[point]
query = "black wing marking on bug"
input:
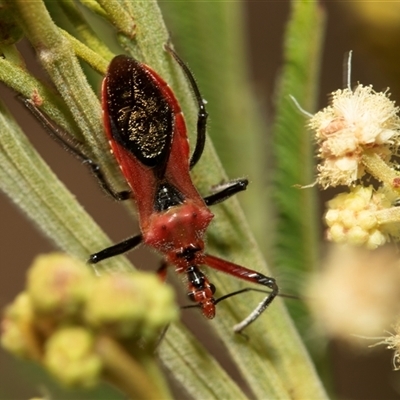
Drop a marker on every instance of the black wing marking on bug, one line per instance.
(141, 119)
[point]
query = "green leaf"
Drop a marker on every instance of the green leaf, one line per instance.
(296, 242)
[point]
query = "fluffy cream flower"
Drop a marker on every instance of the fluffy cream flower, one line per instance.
(356, 293)
(355, 121)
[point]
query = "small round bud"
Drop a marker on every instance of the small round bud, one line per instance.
(161, 308)
(70, 357)
(58, 285)
(331, 217)
(375, 240)
(356, 235)
(353, 218)
(17, 329)
(124, 303)
(348, 218)
(366, 219)
(337, 233)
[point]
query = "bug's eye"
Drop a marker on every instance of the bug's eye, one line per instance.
(191, 297)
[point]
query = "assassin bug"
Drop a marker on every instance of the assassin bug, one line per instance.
(147, 135)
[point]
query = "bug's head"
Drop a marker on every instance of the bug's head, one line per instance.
(201, 291)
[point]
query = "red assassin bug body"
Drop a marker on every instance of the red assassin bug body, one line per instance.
(148, 137)
(141, 114)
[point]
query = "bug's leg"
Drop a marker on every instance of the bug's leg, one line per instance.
(116, 249)
(225, 191)
(244, 290)
(240, 291)
(76, 148)
(250, 276)
(202, 113)
(104, 184)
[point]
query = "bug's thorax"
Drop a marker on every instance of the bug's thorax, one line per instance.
(178, 233)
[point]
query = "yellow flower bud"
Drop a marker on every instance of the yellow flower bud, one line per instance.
(18, 331)
(126, 303)
(355, 218)
(58, 284)
(70, 357)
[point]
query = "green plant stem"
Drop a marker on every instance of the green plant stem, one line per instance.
(388, 215)
(97, 62)
(126, 373)
(94, 6)
(84, 31)
(119, 16)
(297, 234)
(195, 368)
(30, 183)
(57, 57)
(11, 53)
(25, 84)
(381, 171)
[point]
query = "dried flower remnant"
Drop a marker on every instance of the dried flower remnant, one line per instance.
(355, 122)
(356, 218)
(356, 293)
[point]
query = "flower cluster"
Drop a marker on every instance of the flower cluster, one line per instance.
(354, 218)
(355, 122)
(359, 134)
(358, 137)
(66, 311)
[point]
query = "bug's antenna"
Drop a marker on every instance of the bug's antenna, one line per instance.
(347, 70)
